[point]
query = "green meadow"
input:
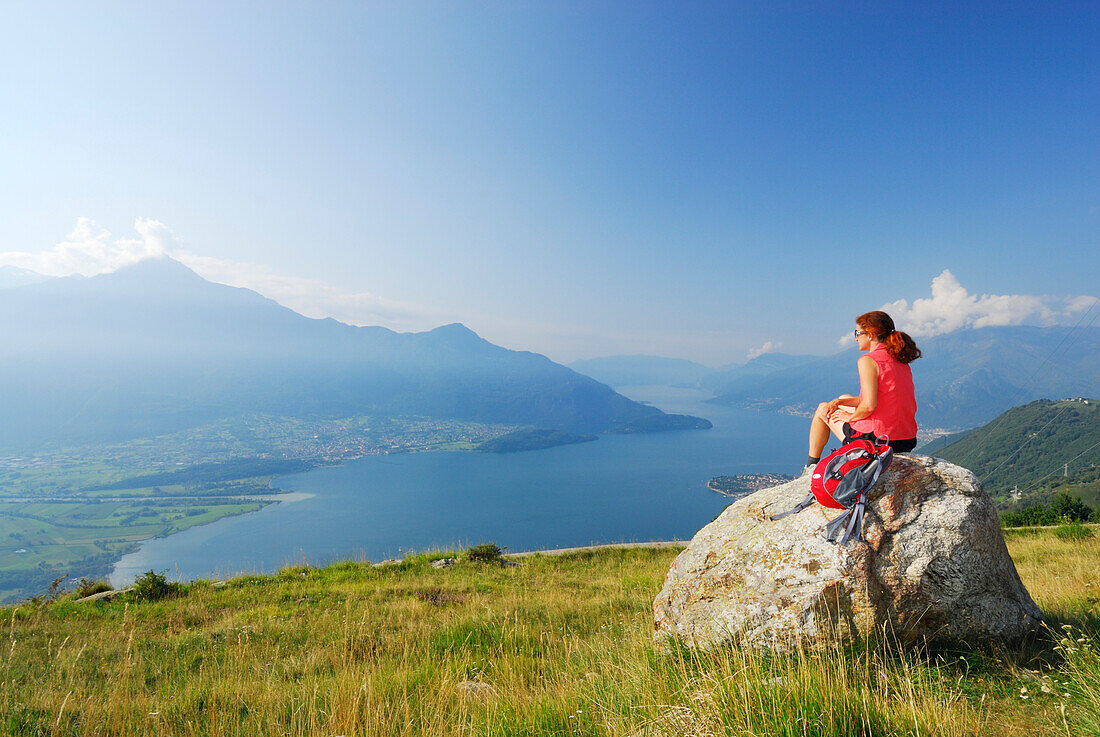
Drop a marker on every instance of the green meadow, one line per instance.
(560, 645)
(42, 541)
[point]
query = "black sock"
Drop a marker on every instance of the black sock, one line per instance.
(811, 461)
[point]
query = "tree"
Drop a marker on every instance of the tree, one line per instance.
(1070, 507)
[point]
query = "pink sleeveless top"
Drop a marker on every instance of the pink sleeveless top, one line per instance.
(895, 415)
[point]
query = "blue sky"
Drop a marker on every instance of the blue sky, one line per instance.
(579, 179)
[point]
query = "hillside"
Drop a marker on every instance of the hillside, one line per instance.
(154, 348)
(964, 378)
(1036, 447)
(554, 646)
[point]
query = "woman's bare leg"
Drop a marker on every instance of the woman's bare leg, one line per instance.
(825, 423)
(819, 431)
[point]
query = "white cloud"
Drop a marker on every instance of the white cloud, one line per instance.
(951, 307)
(91, 250)
(770, 347)
(1080, 304)
(312, 297)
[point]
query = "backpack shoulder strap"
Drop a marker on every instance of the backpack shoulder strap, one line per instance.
(809, 500)
(855, 527)
(849, 522)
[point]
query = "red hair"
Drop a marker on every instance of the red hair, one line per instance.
(881, 327)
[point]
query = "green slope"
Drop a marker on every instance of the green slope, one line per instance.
(1037, 448)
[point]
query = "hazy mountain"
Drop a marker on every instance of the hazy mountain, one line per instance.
(965, 378)
(13, 276)
(728, 378)
(641, 370)
(154, 348)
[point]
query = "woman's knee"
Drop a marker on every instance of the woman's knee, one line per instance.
(822, 412)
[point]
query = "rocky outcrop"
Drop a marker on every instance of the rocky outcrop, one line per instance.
(933, 567)
(105, 595)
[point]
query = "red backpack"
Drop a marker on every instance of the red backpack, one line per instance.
(841, 481)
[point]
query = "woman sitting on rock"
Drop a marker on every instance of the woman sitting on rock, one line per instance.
(886, 407)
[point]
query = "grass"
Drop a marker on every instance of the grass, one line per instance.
(1073, 530)
(559, 645)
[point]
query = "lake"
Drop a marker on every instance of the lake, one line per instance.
(620, 488)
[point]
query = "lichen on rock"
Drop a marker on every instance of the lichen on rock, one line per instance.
(932, 567)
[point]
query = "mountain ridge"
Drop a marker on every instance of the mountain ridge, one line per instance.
(154, 346)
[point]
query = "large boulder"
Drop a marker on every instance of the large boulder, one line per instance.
(933, 567)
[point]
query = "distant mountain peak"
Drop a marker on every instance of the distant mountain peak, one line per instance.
(156, 266)
(455, 334)
(454, 328)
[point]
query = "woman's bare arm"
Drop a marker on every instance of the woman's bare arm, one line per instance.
(868, 388)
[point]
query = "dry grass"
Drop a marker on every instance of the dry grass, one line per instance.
(563, 644)
(1063, 576)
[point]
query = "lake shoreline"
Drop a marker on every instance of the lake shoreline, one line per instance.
(639, 487)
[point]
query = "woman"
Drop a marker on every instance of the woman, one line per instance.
(886, 407)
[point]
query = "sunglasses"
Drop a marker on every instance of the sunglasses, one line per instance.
(857, 333)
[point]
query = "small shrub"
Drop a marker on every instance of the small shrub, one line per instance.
(1036, 515)
(87, 587)
(151, 586)
(1065, 506)
(1070, 506)
(52, 594)
(1072, 530)
(485, 553)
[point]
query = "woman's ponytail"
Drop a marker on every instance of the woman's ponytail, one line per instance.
(898, 344)
(901, 347)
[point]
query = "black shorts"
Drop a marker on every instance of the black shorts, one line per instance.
(899, 446)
